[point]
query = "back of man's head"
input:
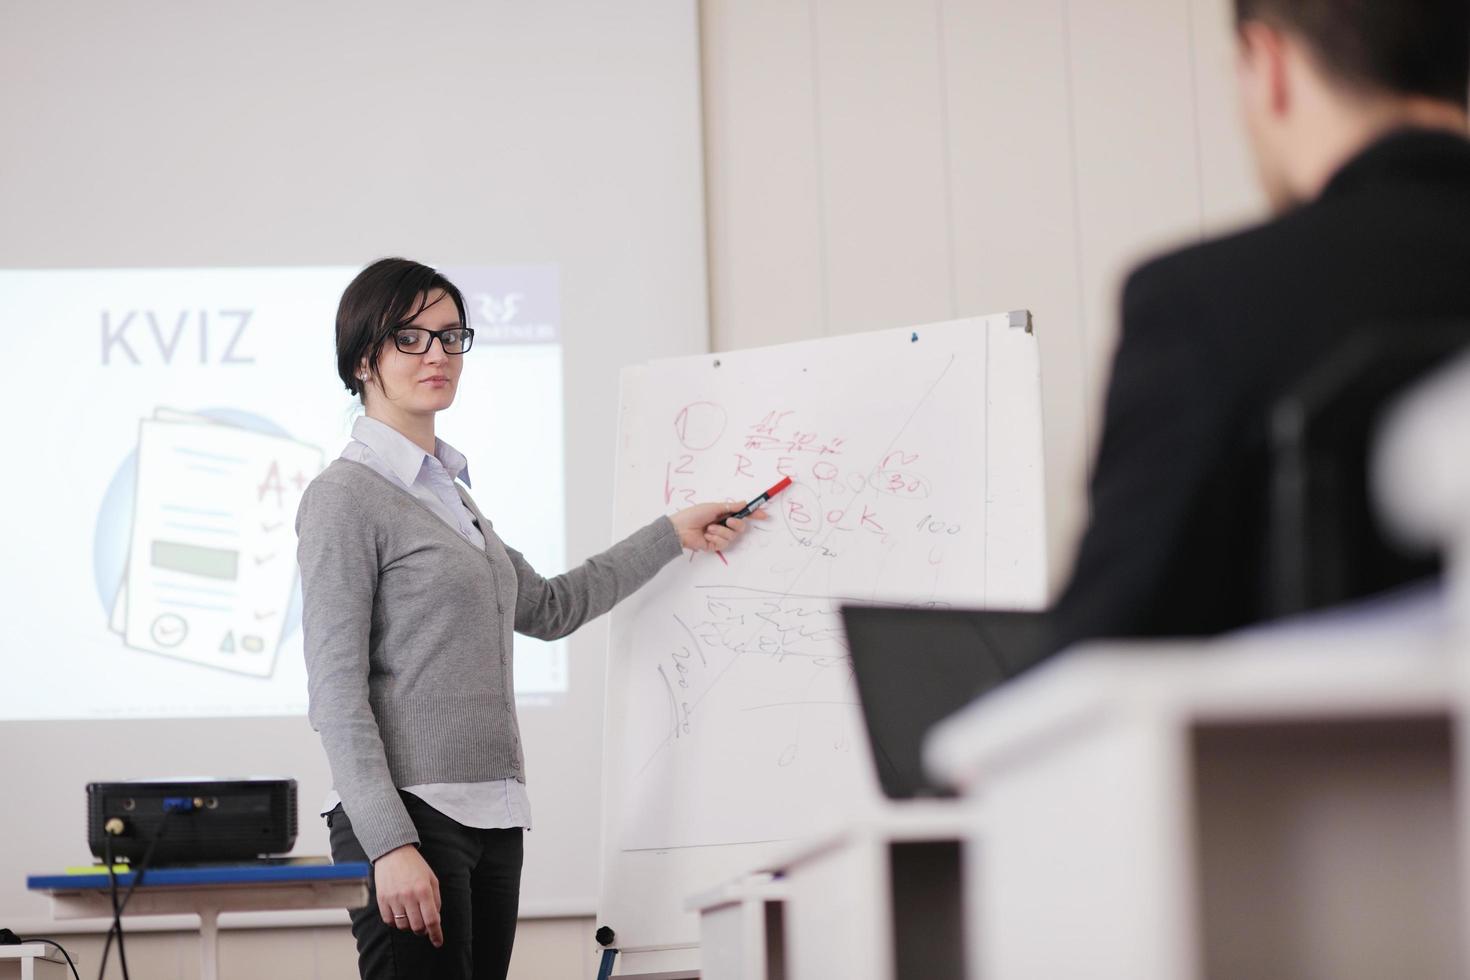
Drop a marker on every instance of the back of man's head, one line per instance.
(1395, 47)
(1320, 78)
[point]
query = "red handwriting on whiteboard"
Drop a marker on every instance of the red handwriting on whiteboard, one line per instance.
(672, 490)
(699, 425)
(798, 516)
(766, 435)
(896, 476)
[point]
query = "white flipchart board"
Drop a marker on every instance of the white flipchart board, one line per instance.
(732, 721)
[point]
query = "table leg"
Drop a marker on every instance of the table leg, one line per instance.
(208, 944)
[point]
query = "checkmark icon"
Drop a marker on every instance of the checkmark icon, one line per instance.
(169, 630)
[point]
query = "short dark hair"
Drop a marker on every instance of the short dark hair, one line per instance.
(1405, 47)
(380, 299)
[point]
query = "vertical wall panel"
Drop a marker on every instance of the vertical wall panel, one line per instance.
(1137, 169)
(761, 181)
(1015, 240)
(884, 198)
(1228, 190)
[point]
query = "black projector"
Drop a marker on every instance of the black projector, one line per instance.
(194, 821)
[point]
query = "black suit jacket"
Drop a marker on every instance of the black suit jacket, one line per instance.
(1211, 336)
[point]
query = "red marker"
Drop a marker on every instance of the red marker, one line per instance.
(751, 507)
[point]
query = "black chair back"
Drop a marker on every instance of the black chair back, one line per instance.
(1326, 544)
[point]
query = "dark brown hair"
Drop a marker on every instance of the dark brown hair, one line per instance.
(1404, 47)
(382, 298)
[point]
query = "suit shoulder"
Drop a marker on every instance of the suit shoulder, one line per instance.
(1217, 284)
(1235, 255)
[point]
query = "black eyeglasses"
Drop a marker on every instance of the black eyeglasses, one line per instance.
(417, 340)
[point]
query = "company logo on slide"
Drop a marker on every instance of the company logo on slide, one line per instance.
(497, 309)
(510, 304)
(194, 550)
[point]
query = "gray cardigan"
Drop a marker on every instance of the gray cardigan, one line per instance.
(408, 629)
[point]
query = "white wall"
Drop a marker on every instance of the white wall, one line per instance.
(875, 163)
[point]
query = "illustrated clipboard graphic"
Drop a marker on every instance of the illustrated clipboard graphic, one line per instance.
(211, 569)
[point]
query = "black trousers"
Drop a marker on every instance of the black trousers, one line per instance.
(479, 874)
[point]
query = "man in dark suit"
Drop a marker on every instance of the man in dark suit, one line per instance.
(1356, 113)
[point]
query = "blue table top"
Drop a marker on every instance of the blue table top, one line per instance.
(234, 874)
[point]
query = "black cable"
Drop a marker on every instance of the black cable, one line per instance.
(116, 929)
(143, 865)
(119, 908)
(43, 939)
(106, 949)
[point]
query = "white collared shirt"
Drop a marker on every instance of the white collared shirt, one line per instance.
(430, 479)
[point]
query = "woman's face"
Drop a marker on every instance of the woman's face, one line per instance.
(419, 383)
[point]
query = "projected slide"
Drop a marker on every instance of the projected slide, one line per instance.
(165, 424)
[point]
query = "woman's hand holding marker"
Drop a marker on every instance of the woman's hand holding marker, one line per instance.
(714, 527)
(700, 529)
